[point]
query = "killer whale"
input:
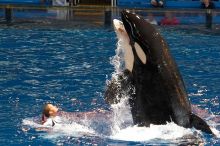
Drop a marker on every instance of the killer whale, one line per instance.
(151, 77)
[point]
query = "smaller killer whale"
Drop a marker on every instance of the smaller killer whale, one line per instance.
(151, 77)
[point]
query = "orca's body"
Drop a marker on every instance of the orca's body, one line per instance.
(158, 95)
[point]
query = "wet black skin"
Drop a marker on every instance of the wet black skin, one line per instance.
(160, 95)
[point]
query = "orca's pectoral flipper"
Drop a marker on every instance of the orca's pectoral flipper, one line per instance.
(200, 124)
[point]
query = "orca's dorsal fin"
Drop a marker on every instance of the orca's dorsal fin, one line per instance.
(200, 124)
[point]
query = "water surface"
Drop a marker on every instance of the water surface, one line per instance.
(69, 68)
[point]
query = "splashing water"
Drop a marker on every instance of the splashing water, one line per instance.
(121, 115)
(121, 111)
(117, 61)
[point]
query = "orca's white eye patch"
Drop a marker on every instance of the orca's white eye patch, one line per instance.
(140, 53)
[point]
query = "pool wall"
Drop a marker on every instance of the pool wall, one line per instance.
(99, 16)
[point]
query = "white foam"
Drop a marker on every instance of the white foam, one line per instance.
(130, 133)
(166, 132)
(59, 129)
(169, 133)
(216, 132)
(73, 129)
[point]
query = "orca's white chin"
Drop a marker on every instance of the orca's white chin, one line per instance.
(124, 44)
(120, 30)
(117, 23)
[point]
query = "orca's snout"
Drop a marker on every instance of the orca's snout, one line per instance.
(125, 17)
(125, 14)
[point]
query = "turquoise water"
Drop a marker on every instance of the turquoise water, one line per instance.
(69, 68)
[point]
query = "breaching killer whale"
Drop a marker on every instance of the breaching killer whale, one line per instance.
(151, 77)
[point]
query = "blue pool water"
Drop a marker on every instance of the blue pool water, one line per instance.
(69, 68)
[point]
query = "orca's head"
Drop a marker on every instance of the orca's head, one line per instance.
(138, 29)
(144, 38)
